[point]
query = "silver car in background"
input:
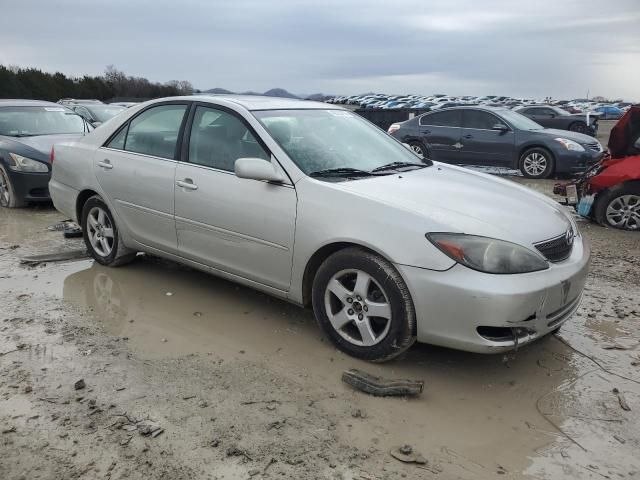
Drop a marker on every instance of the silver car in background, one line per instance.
(311, 203)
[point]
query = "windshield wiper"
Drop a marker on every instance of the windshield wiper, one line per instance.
(341, 172)
(396, 165)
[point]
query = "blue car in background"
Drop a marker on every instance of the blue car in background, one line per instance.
(609, 112)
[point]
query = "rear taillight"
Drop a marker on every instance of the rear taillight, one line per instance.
(52, 155)
(393, 128)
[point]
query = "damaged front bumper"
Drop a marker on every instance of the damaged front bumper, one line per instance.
(478, 312)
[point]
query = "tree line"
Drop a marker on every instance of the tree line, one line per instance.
(32, 83)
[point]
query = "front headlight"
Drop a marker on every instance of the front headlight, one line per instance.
(24, 164)
(570, 144)
(487, 255)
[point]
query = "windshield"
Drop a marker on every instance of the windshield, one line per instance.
(28, 121)
(104, 113)
(560, 111)
(519, 121)
(318, 140)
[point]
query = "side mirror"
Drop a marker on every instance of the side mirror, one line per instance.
(500, 127)
(257, 169)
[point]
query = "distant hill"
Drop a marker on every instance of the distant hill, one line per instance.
(218, 91)
(274, 92)
(279, 92)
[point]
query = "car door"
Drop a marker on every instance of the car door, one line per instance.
(440, 132)
(482, 143)
(243, 227)
(136, 170)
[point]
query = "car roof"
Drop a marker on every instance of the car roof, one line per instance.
(18, 102)
(260, 102)
(474, 107)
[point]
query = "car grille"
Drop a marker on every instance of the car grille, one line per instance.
(595, 146)
(558, 248)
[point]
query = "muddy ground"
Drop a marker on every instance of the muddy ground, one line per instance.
(187, 376)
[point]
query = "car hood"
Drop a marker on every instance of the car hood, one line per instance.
(38, 146)
(459, 200)
(624, 131)
(555, 133)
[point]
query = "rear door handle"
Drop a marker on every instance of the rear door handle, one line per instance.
(467, 136)
(105, 164)
(187, 183)
(426, 132)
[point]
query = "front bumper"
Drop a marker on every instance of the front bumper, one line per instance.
(468, 310)
(576, 162)
(32, 187)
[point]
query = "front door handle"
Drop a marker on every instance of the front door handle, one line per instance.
(187, 183)
(467, 136)
(106, 164)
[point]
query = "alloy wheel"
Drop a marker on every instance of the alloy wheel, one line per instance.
(5, 193)
(100, 231)
(417, 149)
(357, 307)
(579, 127)
(624, 212)
(535, 164)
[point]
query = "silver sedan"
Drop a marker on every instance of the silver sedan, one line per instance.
(311, 203)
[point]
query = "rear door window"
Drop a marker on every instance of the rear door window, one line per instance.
(479, 120)
(451, 118)
(155, 131)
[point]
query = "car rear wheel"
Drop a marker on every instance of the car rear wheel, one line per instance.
(537, 163)
(8, 196)
(419, 149)
(579, 127)
(363, 305)
(101, 235)
(619, 207)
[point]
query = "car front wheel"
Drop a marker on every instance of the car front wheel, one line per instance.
(101, 234)
(8, 196)
(363, 305)
(418, 148)
(619, 207)
(579, 127)
(536, 163)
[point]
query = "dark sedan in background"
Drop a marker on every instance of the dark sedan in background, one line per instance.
(487, 136)
(554, 117)
(28, 130)
(97, 114)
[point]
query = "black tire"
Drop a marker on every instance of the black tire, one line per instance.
(608, 198)
(400, 334)
(537, 154)
(579, 127)
(8, 198)
(419, 148)
(119, 254)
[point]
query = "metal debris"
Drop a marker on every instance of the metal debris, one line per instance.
(55, 257)
(381, 387)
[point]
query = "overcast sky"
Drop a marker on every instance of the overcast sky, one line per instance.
(523, 48)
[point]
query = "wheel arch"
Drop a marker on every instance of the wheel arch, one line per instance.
(82, 198)
(319, 256)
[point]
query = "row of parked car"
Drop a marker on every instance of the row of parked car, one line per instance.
(606, 110)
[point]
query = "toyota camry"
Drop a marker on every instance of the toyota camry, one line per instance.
(311, 203)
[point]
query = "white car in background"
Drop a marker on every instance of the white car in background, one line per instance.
(313, 204)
